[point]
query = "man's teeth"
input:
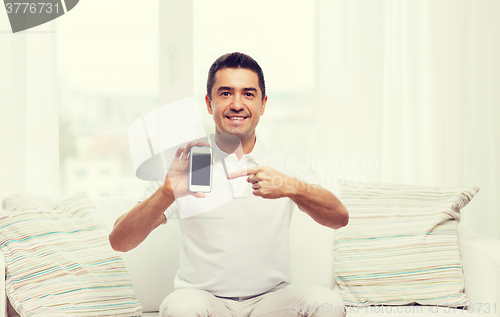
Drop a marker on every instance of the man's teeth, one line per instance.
(236, 118)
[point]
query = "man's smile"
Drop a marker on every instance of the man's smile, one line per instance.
(236, 118)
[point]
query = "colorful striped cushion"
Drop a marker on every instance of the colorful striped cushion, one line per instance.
(401, 245)
(59, 262)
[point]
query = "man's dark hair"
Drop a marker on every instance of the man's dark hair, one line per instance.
(235, 60)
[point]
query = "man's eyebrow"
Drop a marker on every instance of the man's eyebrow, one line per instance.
(250, 89)
(232, 88)
(224, 88)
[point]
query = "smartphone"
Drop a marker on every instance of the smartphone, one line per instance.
(200, 169)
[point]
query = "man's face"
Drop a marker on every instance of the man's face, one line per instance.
(236, 104)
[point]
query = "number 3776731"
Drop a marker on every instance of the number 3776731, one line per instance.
(34, 8)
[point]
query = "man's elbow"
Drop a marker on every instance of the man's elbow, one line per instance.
(117, 244)
(341, 221)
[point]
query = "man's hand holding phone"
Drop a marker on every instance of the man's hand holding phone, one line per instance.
(177, 179)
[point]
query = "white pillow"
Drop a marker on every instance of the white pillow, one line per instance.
(59, 262)
(401, 245)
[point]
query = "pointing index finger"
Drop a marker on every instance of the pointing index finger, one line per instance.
(243, 172)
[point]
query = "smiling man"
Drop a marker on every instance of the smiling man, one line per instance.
(235, 258)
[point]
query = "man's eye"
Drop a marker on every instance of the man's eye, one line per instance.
(249, 94)
(225, 93)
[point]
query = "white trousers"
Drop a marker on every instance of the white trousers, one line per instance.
(303, 301)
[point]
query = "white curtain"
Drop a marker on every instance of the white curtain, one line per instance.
(29, 140)
(409, 92)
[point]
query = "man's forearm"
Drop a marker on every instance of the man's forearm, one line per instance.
(321, 204)
(134, 226)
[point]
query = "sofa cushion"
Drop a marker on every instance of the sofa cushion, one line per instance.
(401, 245)
(59, 261)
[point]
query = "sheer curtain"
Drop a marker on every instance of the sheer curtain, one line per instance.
(408, 92)
(29, 140)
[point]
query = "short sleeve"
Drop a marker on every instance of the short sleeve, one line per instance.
(150, 190)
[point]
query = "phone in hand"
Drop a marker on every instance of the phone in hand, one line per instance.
(200, 169)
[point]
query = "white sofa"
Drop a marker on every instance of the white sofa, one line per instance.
(153, 264)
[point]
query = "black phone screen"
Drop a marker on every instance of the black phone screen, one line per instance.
(201, 169)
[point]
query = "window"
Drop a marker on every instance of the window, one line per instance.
(107, 60)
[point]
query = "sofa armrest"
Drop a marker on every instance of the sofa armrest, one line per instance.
(481, 266)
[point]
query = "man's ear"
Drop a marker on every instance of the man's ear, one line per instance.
(209, 104)
(263, 107)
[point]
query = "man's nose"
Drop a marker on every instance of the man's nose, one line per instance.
(237, 104)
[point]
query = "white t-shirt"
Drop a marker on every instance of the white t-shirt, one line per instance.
(239, 248)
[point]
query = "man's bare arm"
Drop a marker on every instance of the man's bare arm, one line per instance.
(319, 203)
(134, 226)
(161, 220)
(316, 201)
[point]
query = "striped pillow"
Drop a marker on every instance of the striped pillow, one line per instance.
(401, 245)
(59, 262)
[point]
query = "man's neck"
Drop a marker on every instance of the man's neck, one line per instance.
(235, 145)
